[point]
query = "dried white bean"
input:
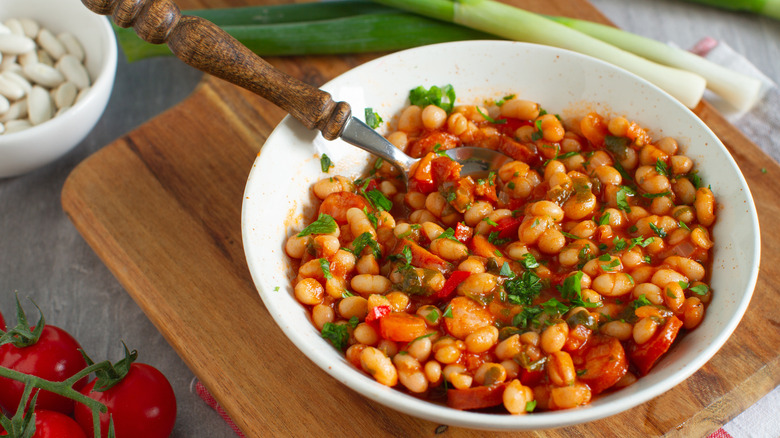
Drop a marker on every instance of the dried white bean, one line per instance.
(30, 27)
(7, 62)
(82, 93)
(28, 58)
(39, 105)
(4, 29)
(44, 75)
(15, 26)
(4, 104)
(14, 44)
(45, 58)
(2, 129)
(17, 110)
(61, 110)
(50, 44)
(73, 70)
(10, 89)
(72, 45)
(65, 94)
(16, 126)
(17, 79)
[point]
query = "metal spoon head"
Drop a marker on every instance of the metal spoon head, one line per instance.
(477, 162)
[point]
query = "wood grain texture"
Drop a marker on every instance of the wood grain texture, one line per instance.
(161, 207)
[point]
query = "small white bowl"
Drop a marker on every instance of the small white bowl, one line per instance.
(278, 199)
(24, 151)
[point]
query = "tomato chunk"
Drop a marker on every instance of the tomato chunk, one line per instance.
(401, 327)
(428, 142)
(644, 356)
(455, 279)
(422, 258)
(377, 313)
(478, 397)
(604, 363)
(337, 204)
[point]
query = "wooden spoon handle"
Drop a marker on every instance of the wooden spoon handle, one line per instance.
(203, 45)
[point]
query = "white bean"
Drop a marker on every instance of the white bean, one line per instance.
(39, 105)
(73, 70)
(50, 44)
(14, 44)
(4, 104)
(10, 89)
(65, 94)
(15, 26)
(16, 126)
(30, 27)
(18, 80)
(72, 45)
(44, 75)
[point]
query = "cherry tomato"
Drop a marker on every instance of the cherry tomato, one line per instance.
(142, 404)
(2, 322)
(54, 357)
(51, 424)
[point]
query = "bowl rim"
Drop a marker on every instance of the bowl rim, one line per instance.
(105, 77)
(402, 402)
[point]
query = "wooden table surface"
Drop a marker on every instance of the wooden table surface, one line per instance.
(43, 257)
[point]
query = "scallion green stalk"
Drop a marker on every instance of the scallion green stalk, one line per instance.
(770, 8)
(355, 33)
(520, 25)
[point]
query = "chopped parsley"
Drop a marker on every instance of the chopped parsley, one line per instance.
(366, 239)
(528, 261)
(658, 231)
(371, 217)
(506, 271)
(447, 312)
(538, 134)
(325, 163)
(622, 198)
(325, 224)
(490, 119)
(325, 266)
(617, 145)
(656, 195)
(443, 97)
(662, 168)
(530, 406)
(683, 225)
(378, 200)
(524, 288)
(604, 219)
(337, 334)
(372, 118)
(504, 99)
(700, 290)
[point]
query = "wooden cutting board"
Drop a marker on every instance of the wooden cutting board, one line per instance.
(161, 207)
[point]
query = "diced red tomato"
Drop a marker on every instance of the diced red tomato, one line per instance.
(478, 397)
(531, 377)
(377, 313)
(421, 177)
(644, 356)
(455, 279)
(429, 141)
(444, 169)
(507, 227)
(463, 232)
(511, 125)
(422, 258)
(337, 204)
(517, 150)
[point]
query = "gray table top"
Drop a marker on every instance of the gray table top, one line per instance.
(43, 257)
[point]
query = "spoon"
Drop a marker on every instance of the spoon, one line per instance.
(205, 46)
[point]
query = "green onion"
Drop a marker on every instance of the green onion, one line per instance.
(517, 24)
(770, 8)
(380, 30)
(739, 90)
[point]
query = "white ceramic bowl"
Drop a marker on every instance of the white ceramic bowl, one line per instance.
(23, 151)
(278, 200)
